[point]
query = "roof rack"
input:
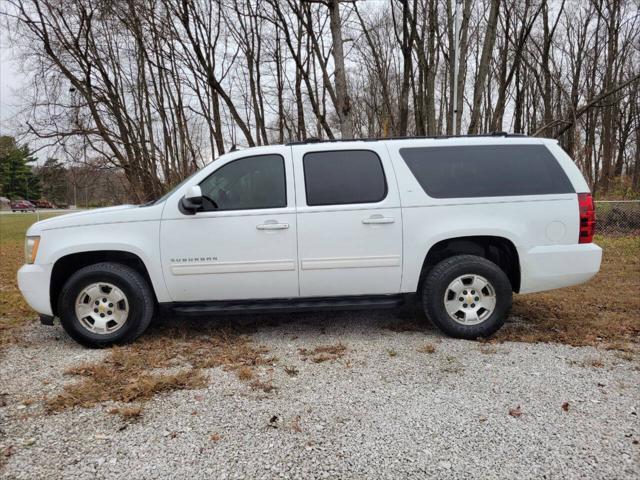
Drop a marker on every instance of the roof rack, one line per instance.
(414, 137)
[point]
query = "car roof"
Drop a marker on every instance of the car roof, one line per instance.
(312, 140)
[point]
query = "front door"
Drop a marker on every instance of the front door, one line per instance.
(349, 220)
(243, 244)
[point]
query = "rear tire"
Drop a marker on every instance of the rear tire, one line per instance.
(106, 304)
(449, 303)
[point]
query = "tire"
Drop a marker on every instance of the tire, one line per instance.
(470, 322)
(113, 280)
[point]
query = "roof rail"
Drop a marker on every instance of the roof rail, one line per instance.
(413, 137)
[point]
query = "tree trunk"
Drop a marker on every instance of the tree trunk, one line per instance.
(343, 102)
(483, 70)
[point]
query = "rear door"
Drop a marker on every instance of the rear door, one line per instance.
(349, 220)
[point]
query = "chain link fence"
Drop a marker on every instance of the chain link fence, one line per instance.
(618, 217)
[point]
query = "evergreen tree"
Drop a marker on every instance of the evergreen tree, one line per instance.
(53, 180)
(17, 179)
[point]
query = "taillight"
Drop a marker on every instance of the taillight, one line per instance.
(587, 218)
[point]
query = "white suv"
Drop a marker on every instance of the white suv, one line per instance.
(463, 222)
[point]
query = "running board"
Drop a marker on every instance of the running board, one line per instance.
(282, 305)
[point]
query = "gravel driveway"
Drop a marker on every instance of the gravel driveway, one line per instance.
(383, 410)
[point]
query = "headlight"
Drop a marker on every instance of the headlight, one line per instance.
(31, 249)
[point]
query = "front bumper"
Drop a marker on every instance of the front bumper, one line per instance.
(33, 281)
(557, 266)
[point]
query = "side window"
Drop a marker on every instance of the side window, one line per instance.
(343, 177)
(486, 171)
(245, 184)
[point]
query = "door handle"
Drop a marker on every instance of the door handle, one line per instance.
(272, 225)
(378, 220)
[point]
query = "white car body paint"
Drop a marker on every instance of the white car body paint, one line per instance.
(316, 251)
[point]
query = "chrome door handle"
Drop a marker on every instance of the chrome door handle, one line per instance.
(272, 225)
(378, 220)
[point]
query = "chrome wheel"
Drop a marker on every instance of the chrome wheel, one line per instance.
(102, 308)
(470, 299)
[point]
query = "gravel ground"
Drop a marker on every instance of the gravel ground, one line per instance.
(384, 410)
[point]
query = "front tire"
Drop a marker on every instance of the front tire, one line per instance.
(467, 296)
(106, 304)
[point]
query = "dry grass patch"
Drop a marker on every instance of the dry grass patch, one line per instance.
(596, 363)
(427, 348)
(14, 311)
(295, 424)
(600, 312)
(102, 383)
(408, 326)
(323, 353)
(129, 374)
(5, 453)
(244, 373)
(627, 356)
(128, 413)
(452, 365)
(488, 349)
(266, 386)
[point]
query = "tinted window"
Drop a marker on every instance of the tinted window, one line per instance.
(486, 171)
(342, 177)
(247, 183)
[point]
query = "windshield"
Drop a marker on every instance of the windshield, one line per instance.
(169, 193)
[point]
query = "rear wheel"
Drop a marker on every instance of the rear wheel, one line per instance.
(106, 304)
(467, 296)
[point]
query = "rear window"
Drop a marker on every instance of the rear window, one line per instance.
(486, 171)
(343, 177)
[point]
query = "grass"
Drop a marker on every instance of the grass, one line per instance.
(602, 312)
(127, 413)
(427, 348)
(323, 353)
(129, 374)
(245, 373)
(487, 349)
(14, 311)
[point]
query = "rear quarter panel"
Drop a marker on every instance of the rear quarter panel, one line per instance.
(528, 221)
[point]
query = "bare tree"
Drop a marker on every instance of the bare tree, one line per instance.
(153, 89)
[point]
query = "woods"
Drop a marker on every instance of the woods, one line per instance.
(157, 88)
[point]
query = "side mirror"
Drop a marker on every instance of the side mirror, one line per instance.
(192, 200)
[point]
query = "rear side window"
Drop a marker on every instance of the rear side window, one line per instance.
(486, 171)
(343, 177)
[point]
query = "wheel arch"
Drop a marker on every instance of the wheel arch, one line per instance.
(499, 250)
(66, 265)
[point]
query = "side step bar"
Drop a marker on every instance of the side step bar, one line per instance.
(283, 305)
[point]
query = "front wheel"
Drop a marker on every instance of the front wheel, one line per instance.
(105, 304)
(467, 296)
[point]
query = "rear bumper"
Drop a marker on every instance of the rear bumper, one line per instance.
(33, 281)
(557, 266)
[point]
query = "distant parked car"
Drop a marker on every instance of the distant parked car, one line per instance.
(43, 204)
(22, 206)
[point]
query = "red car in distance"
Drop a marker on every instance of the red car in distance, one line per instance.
(22, 206)
(43, 204)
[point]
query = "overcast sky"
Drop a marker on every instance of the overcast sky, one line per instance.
(10, 80)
